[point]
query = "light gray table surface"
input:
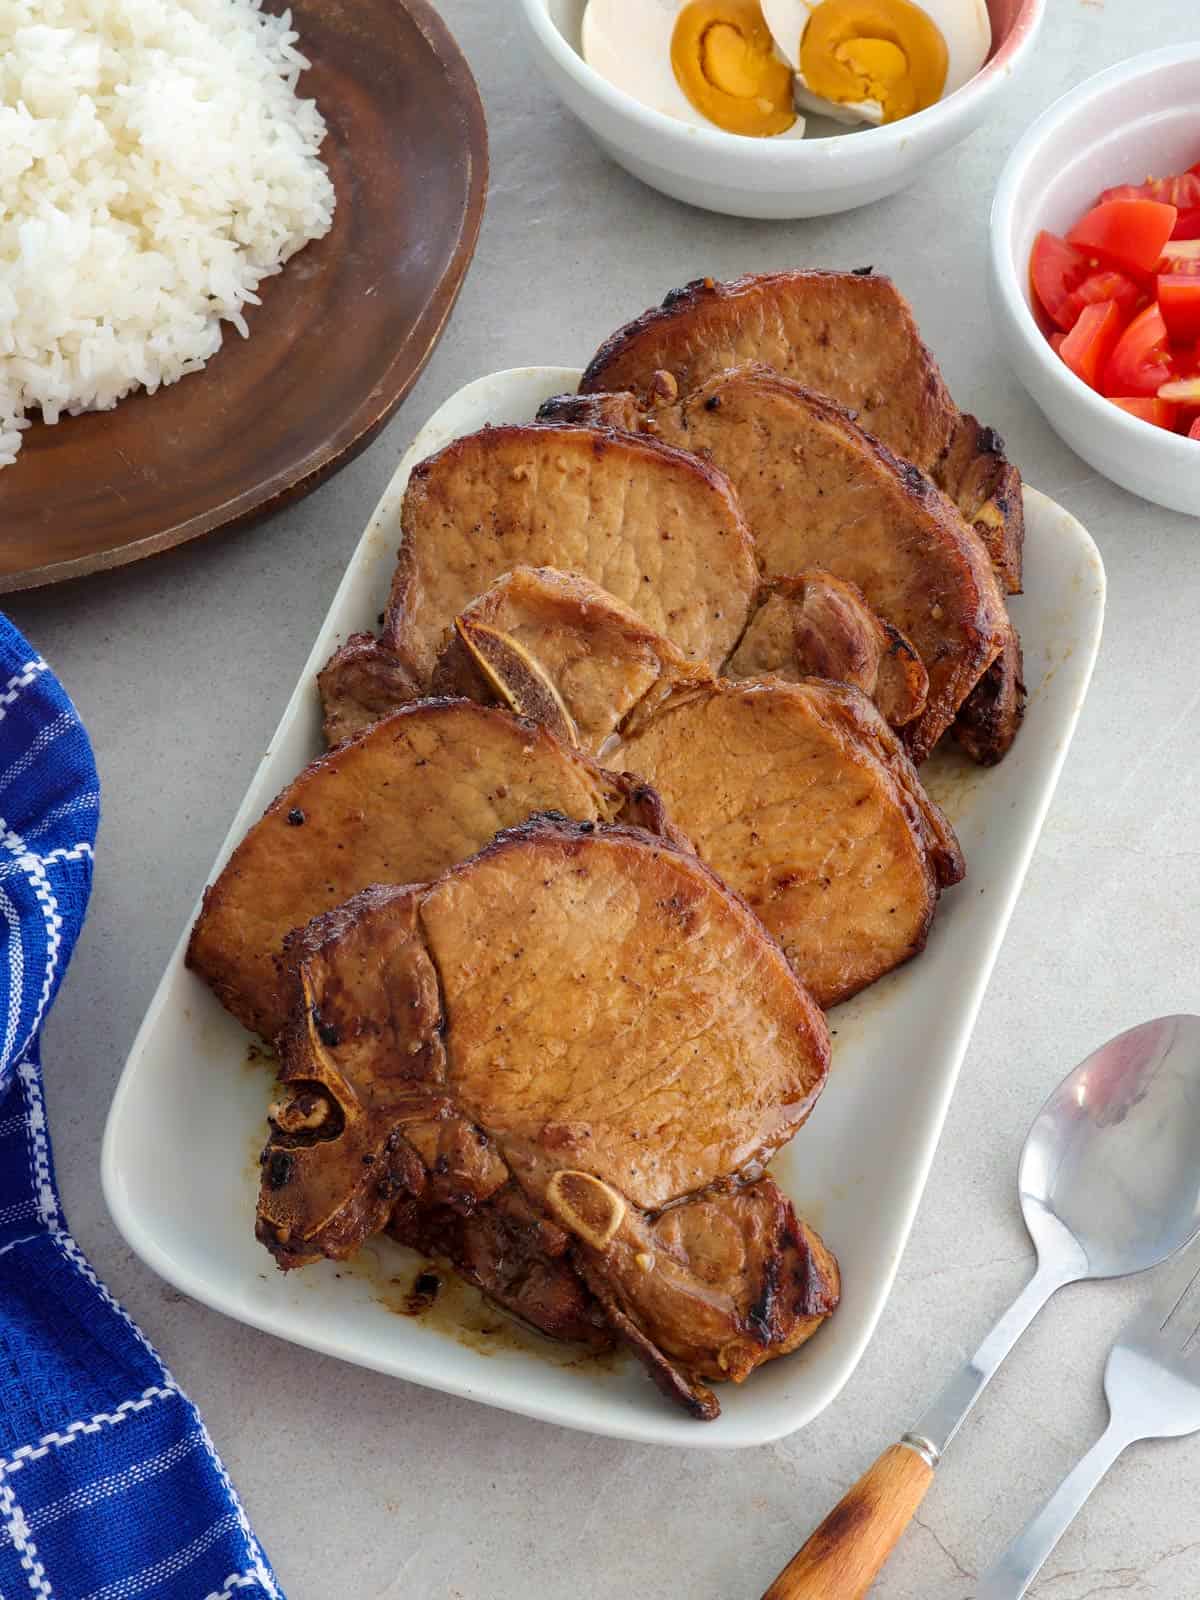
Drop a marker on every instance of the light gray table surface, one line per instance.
(364, 1488)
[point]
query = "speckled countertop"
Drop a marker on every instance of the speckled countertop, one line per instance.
(366, 1489)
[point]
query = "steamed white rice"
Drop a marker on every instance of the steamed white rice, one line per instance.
(155, 166)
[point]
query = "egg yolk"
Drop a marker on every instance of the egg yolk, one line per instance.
(885, 50)
(725, 62)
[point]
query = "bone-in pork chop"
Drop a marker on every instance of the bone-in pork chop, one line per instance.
(818, 626)
(602, 658)
(798, 794)
(848, 335)
(421, 790)
(820, 493)
(629, 1046)
(565, 651)
(656, 527)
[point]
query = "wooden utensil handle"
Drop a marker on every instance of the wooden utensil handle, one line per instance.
(843, 1557)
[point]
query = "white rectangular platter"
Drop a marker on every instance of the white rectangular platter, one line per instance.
(188, 1117)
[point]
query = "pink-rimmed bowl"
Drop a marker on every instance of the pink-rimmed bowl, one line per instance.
(764, 178)
(1138, 117)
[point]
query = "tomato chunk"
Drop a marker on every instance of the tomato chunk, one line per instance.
(1128, 233)
(1151, 409)
(1089, 344)
(1141, 361)
(1181, 391)
(1180, 255)
(1057, 269)
(1182, 191)
(1188, 225)
(1099, 286)
(1194, 431)
(1179, 302)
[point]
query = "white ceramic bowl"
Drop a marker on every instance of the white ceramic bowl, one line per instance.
(1139, 117)
(746, 177)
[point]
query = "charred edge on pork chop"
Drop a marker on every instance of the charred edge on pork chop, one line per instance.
(821, 493)
(657, 526)
(663, 1048)
(993, 712)
(422, 789)
(799, 795)
(360, 683)
(513, 1254)
(846, 334)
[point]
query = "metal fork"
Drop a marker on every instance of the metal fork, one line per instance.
(1152, 1383)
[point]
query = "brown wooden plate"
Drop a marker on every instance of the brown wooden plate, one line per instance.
(341, 336)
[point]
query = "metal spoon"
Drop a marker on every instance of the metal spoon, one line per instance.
(1110, 1185)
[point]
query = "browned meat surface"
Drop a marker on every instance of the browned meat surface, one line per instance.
(564, 651)
(819, 493)
(817, 626)
(727, 1280)
(656, 527)
(585, 1020)
(513, 1254)
(626, 1036)
(987, 490)
(360, 683)
(418, 792)
(798, 795)
(848, 335)
(802, 799)
(994, 710)
(621, 409)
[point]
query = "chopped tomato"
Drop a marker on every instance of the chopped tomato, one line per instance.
(1141, 362)
(1119, 298)
(1099, 286)
(1151, 409)
(1180, 255)
(1179, 302)
(1181, 392)
(1182, 192)
(1128, 233)
(1057, 269)
(1089, 344)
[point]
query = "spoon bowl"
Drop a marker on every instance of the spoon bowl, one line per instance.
(1110, 1177)
(1109, 1183)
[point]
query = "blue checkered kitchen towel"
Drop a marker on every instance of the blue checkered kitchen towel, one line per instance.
(110, 1488)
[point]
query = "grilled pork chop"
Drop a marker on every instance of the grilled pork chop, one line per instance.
(818, 626)
(513, 1254)
(604, 659)
(819, 492)
(658, 528)
(798, 794)
(627, 1047)
(566, 651)
(802, 799)
(421, 790)
(361, 682)
(849, 335)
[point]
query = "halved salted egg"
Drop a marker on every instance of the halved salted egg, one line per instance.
(710, 63)
(879, 60)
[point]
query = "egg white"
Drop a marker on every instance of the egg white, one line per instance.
(629, 43)
(964, 24)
